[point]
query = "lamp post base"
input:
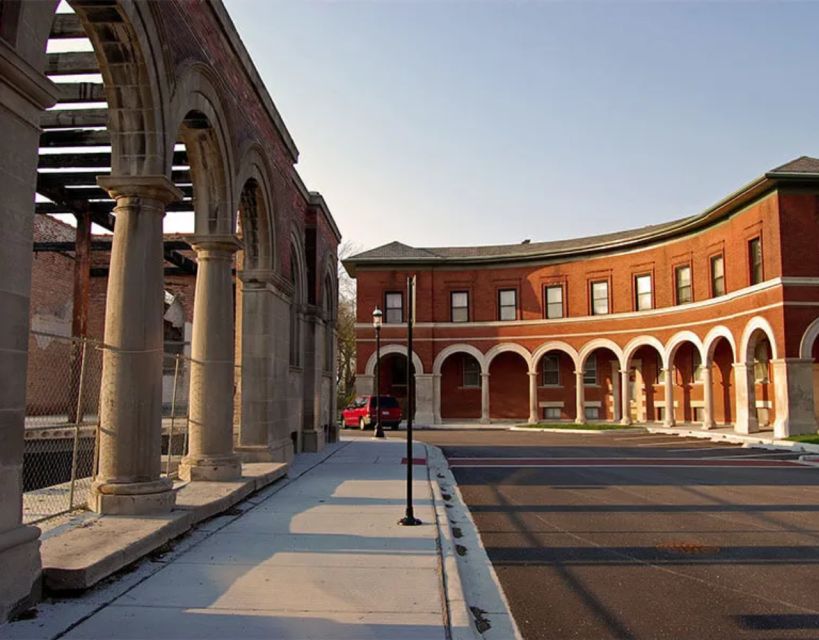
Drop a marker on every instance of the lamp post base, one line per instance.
(409, 520)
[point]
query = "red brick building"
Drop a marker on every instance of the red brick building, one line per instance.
(710, 319)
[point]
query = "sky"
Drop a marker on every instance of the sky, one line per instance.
(442, 123)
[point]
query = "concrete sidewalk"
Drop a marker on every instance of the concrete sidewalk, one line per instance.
(319, 557)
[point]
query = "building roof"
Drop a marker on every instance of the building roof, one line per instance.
(397, 253)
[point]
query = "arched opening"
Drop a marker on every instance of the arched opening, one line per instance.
(508, 387)
(556, 386)
(645, 381)
(721, 361)
(601, 376)
(686, 369)
(460, 387)
(815, 357)
(394, 379)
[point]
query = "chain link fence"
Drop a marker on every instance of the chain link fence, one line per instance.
(62, 421)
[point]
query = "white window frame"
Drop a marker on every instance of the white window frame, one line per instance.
(389, 311)
(643, 300)
(595, 298)
(468, 384)
(453, 316)
(590, 371)
(556, 370)
(554, 309)
(678, 287)
(503, 307)
(713, 261)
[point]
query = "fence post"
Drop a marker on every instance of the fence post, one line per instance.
(173, 415)
(77, 421)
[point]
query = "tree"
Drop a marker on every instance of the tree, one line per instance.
(345, 328)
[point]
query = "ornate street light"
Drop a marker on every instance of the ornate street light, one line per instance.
(377, 319)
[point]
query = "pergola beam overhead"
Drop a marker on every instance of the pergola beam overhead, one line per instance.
(81, 92)
(103, 159)
(71, 63)
(67, 25)
(75, 138)
(74, 118)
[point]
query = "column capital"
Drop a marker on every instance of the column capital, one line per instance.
(532, 374)
(227, 243)
(484, 374)
(256, 278)
(151, 187)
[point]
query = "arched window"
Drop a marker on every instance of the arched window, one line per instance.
(295, 322)
(329, 334)
(761, 358)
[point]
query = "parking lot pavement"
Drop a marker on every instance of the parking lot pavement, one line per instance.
(635, 535)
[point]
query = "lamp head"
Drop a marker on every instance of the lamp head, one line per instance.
(377, 318)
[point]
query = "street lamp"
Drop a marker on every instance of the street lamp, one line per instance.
(377, 318)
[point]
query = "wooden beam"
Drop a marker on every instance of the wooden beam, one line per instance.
(71, 63)
(53, 190)
(67, 25)
(75, 138)
(89, 178)
(102, 272)
(96, 159)
(81, 92)
(74, 118)
(99, 244)
(82, 194)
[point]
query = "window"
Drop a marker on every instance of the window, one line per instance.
(682, 278)
(600, 297)
(508, 304)
(717, 276)
(472, 372)
(696, 366)
(554, 301)
(551, 413)
(394, 305)
(660, 371)
(592, 413)
(459, 304)
(550, 368)
(590, 371)
(761, 362)
(642, 288)
(755, 260)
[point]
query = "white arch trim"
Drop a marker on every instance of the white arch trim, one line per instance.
(458, 348)
(754, 324)
(508, 346)
(677, 340)
(710, 342)
(394, 348)
(644, 341)
(600, 343)
(809, 337)
(555, 345)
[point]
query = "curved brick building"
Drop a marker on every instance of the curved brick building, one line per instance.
(711, 320)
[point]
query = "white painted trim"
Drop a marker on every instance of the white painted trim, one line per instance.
(458, 348)
(394, 348)
(592, 403)
(754, 324)
(550, 405)
(763, 404)
(808, 338)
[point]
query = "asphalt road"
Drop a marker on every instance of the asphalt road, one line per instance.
(632, 535)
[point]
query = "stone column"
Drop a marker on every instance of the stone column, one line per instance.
(285, 408)
(257, 353)
(615, 391)
(424, 412)
(708, 398)
(25, 93)
(625, 402)
(533, 417)
(580, 398)
(210, 414)
(670, 418)
(484, 398)
(793, 399)
(436, 397)
(746, 420)
(130, 442)
(312, 433)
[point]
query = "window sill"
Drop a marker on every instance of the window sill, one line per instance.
(550, 386)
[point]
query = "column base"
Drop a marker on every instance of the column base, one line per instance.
(312, 440)
(785, 428)
(132, 498)
(625, 422)
(746, 427)
(210, 468)
(256, 453)
(423, 419)
(21, 577)
(669, 424)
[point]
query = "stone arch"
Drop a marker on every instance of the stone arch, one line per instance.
(746, 343)
(600, 343)
(677, 340)
(458, 348)
(330, 288)
(508, 346)
(394, 348)
(712, 339)
(808, 338)
(129, 50)
(202, 124)
(553, 345)
(643, 341)
(298, 259)
(256, 212)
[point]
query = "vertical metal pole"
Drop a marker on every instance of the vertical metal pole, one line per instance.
(187, 422)
(379, 431)
(78, 418)
(409, 518)
(173, 416)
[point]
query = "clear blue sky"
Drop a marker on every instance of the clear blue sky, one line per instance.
(450, 123)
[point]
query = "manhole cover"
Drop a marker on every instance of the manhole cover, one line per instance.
(688, 548)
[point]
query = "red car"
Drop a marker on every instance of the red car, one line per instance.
(362, 412)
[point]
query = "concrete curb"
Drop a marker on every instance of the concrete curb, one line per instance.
(749, 441)
(596, 432)
(475, 600)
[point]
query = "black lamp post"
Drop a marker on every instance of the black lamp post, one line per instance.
(377, 316)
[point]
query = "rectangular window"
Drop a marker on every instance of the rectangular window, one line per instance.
(600, 297)
(642, 290)
(551, 413)
(660, 370)
(394, 305)
(554, 301)
(472, 372)
(592, 413)
(590, 371)
(508, 304)
(696, 366)
(551, 371)
(755, 260)
(459, 302)
(717, 276)
(682, 278)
